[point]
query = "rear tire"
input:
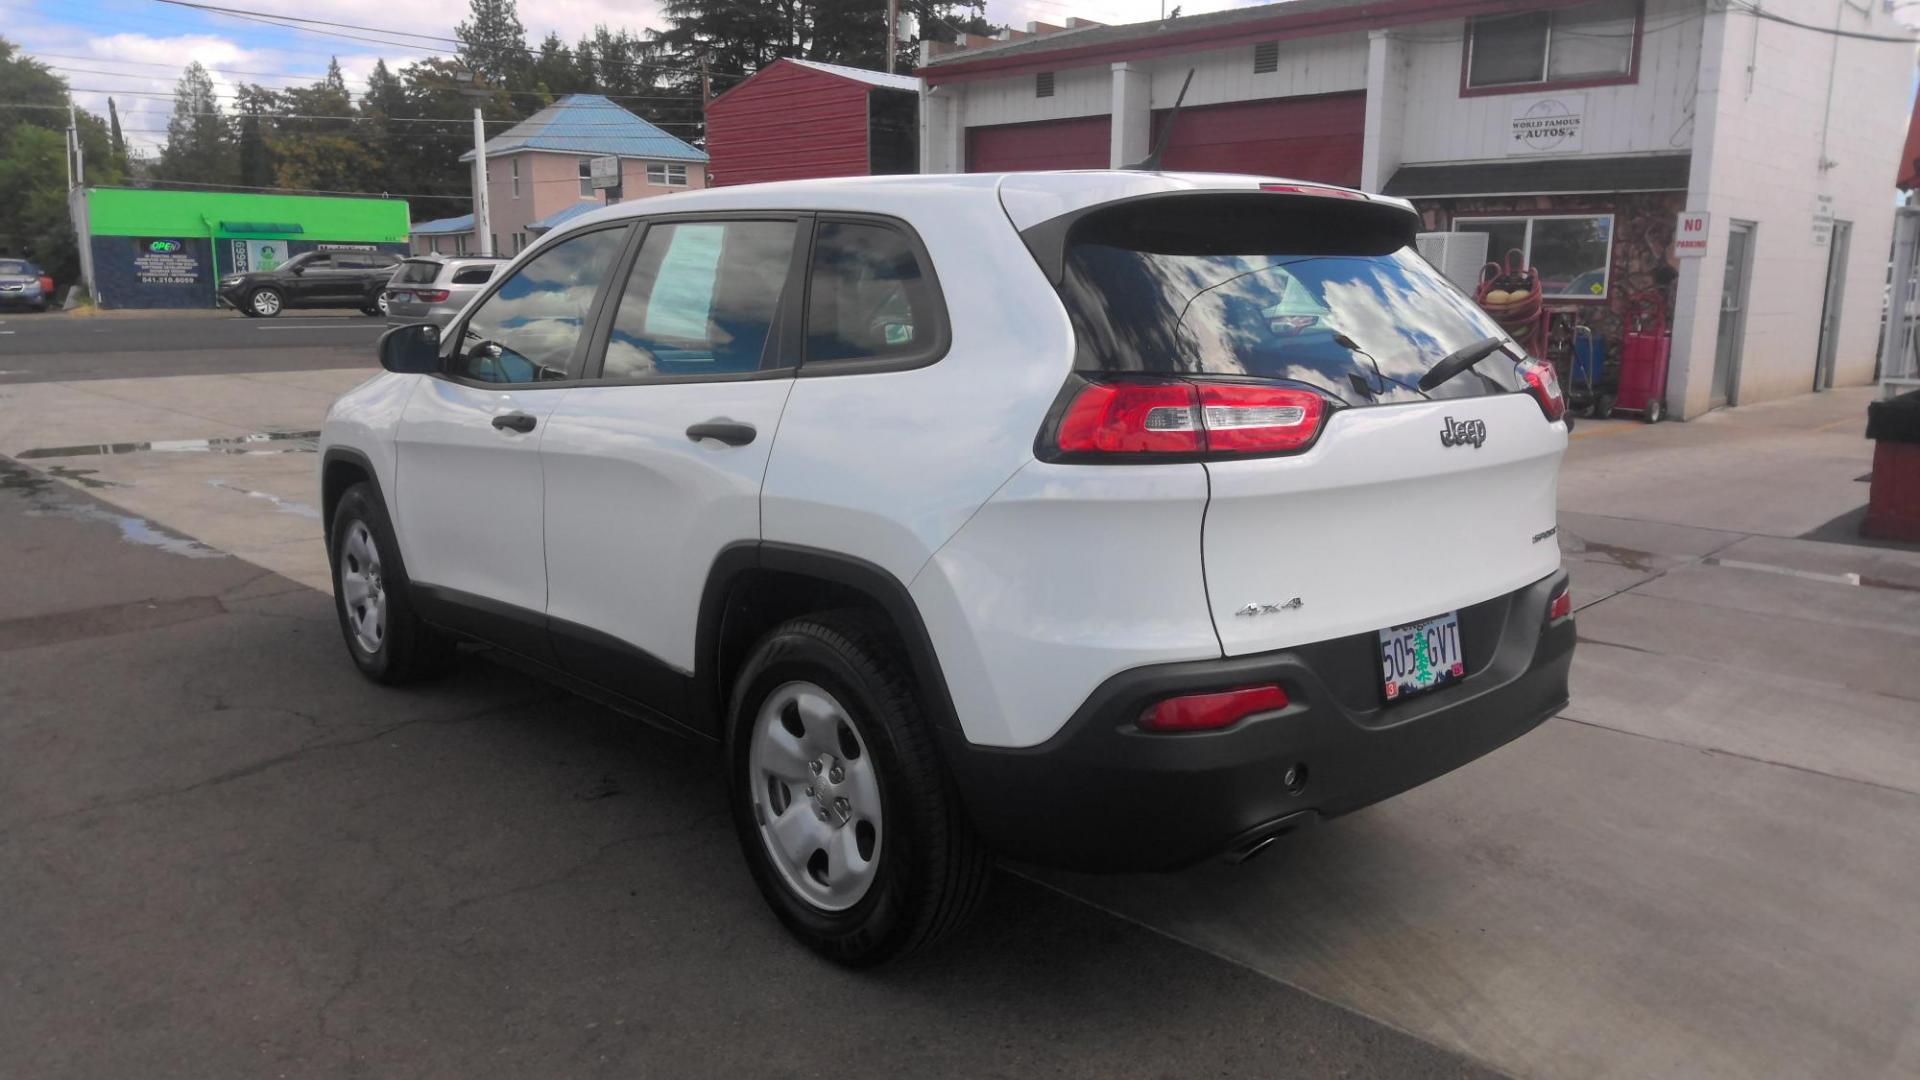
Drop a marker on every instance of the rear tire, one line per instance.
(387, 640)
(849, 822)
(1656, 411)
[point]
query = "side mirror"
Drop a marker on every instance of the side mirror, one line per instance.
(411, 350)
(296, 271)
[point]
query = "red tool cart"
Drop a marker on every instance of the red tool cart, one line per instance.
(1645, 345)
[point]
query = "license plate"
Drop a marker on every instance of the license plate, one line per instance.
(1419, 656)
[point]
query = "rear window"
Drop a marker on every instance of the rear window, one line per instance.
(14, 266)
(1329, 297)
(417, 272)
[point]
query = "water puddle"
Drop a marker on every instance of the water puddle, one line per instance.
(259, 442)
(1859, 580)
(47, 498)
(284, 506)
(1632, 558)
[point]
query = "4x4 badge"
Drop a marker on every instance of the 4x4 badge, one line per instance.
(1272, 609)
(1463, 433)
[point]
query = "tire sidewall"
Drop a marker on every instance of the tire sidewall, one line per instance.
(785, 657)
(357, 506)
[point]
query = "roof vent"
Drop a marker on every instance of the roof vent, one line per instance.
(1266, 57)
(1043, 84)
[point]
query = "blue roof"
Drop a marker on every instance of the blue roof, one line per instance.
(443, 226)
(561, 217)
(590, 124)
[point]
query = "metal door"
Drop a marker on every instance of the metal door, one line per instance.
(1733, 315)
(1830, 309)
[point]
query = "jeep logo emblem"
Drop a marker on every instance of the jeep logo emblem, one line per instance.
(1463, 433)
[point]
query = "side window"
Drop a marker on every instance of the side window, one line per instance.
(473, 275)
(869, 297)
(318, 262)
(526, 332)
(701, 299)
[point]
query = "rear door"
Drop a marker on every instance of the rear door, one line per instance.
(1407, 504)
(654, 466)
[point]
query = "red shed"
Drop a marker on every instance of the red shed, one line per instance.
(797, 119)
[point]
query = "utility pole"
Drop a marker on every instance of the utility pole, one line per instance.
(893, 33)
(77, 167)
(482, 224)
(706, 81)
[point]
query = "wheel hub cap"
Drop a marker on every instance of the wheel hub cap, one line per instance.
(816, 796)
(363, 590)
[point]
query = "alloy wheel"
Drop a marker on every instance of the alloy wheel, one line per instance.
(816, 796)
(266, 303)
(362, 588)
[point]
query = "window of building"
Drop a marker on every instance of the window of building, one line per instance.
(1573, 253)
(1043, 84)
(529, 330)
(868, 298)
(459, 243)
(516, 177)
(664, 175)
(1583, 44)
(701, 299)
(493, 243)
(586, 178)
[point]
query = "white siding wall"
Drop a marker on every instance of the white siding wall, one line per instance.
(1758, 160)
(1653, 115)
(1086, 91)
(1321, 65)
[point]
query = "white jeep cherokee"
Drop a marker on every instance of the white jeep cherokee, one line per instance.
(1111, 520)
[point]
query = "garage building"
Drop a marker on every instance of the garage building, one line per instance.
(1577, 135)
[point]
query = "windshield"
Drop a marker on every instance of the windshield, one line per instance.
(1360, 327)
(15, 266)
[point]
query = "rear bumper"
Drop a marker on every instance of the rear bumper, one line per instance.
(1103, 795)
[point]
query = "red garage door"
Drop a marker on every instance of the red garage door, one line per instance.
(1304, 138)
(1051, 144)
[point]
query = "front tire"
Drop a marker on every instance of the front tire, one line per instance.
(266, 303)
(387, 640)
(848, 821)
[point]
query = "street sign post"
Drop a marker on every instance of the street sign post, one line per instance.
(604, 172)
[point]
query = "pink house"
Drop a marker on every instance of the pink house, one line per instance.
(537, 172)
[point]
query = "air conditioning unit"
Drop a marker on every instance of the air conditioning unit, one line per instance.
(1458, 256)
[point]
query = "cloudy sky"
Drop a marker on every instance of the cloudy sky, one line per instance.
(134, 49)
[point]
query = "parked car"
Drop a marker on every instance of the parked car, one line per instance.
(314, 279)
(22, 284)
(433, 288)
(979, 514)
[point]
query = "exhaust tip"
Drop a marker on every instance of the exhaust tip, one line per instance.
(1261, 837)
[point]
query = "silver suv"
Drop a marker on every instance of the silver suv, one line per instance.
(433, 288)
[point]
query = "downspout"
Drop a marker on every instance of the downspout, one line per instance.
(1833, 66)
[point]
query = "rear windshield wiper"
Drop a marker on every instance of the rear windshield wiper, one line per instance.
(1460, 360)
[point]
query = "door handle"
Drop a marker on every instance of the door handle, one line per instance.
(514, 421)
(731, 432)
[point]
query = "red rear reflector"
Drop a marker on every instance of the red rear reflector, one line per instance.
(1209, 712)
(1313, 189)
(1189, 418)
(1561, 607)
(1545, 387)
(431, 296)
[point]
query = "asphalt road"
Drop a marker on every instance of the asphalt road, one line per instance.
(57, 347)
(229, 855)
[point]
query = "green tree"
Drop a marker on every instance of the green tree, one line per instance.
(493, 44)
(198, 148)
(34, 222)
(119, 140)
(35, 95)
(256, 107)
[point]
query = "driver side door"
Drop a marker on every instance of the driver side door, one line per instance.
(471, 492)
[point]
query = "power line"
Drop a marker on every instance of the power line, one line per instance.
(309, 81)
(1833, 31)
(239, 115)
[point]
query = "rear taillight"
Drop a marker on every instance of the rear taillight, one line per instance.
(1189, 418)
(1210, 712)
(431, 296)
(1544, 385)
(1561, 606)
(46, 284)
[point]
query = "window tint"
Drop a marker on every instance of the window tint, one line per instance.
(417, 272)
(869, 297)
(701, 299)
(309, 261)
(526, 332)
(473, 275)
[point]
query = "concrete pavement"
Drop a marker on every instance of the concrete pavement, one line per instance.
(66, 347)
(228, 855)
(1703, 868)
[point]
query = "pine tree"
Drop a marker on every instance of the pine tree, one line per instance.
(117, 140)
(197, 147)
(493, 44)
